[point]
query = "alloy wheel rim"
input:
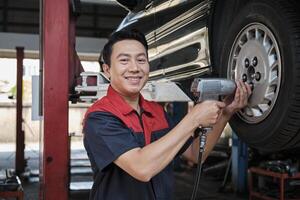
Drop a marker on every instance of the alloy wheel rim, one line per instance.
(255, 58)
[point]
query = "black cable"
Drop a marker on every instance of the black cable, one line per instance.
(199, 166)
(198, 175)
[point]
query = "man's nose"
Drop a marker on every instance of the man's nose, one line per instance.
(134, 66)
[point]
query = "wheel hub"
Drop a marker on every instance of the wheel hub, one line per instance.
(255, 58)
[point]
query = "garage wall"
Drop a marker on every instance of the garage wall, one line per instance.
(8, 122)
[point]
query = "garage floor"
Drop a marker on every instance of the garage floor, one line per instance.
(209, 185)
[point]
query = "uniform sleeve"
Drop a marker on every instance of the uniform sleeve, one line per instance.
(106, 138)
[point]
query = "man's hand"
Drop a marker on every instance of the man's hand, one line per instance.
(240, 99)
(206, 113)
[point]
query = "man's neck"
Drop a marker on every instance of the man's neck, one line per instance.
(133, 101)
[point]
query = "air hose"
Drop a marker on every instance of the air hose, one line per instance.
(202, 138)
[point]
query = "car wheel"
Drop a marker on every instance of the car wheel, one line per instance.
(263, 49)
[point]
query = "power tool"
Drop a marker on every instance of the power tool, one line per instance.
(208, 89)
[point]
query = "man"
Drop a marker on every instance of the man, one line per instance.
(129, 140)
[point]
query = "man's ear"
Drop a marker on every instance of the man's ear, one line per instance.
(106, 70)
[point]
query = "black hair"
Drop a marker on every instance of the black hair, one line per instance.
(119, 36)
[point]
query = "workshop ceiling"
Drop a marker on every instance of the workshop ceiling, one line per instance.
(98, 18)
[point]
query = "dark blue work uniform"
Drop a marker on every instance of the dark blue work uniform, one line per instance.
(112, 127)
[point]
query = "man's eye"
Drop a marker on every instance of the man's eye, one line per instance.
(124, 60)
(142, 60)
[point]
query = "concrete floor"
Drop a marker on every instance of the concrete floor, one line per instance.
(209, 185)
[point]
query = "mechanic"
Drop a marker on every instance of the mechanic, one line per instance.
(130, 141)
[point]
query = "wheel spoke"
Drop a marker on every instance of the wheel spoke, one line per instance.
(267, 44)
(270, 96)
(263, 107)
(243, 40)
(248, 111)
(256, 111)
(237, 51)
(273, 80)
(274, 65)
(265, 39)
(260, 36)
(271, 50)
(257, 34)
(248, 35)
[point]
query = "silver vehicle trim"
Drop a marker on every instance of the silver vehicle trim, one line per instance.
(202, 60)
(182, 20)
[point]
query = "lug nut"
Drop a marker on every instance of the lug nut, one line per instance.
(244, 77)
(257, 76)
(254, 61)
(247, 63)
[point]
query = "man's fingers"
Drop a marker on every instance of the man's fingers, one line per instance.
(220, 104)
(249, 91)
(243, 86)
(237, 92)
(245, 94)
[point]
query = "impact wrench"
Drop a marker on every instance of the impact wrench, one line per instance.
(208, 89)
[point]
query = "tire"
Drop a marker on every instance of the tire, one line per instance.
(271, 121)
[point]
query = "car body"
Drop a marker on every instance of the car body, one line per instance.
(174, 38)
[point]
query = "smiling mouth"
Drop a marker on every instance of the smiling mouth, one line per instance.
(136, 78)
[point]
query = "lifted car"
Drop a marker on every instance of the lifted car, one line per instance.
(254, 40)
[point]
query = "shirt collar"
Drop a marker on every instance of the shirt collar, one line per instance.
(117, 100)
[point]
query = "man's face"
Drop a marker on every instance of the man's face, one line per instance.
(129, 68)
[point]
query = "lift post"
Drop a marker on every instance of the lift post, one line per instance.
(20, 136)
(55, 141)
(239, 164)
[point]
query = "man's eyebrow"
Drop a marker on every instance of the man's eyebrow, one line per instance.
(128, 55)
(141, 54)
(123, 54)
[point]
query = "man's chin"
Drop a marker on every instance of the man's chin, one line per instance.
(134, 90)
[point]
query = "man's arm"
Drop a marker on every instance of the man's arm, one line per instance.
(144, 163)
